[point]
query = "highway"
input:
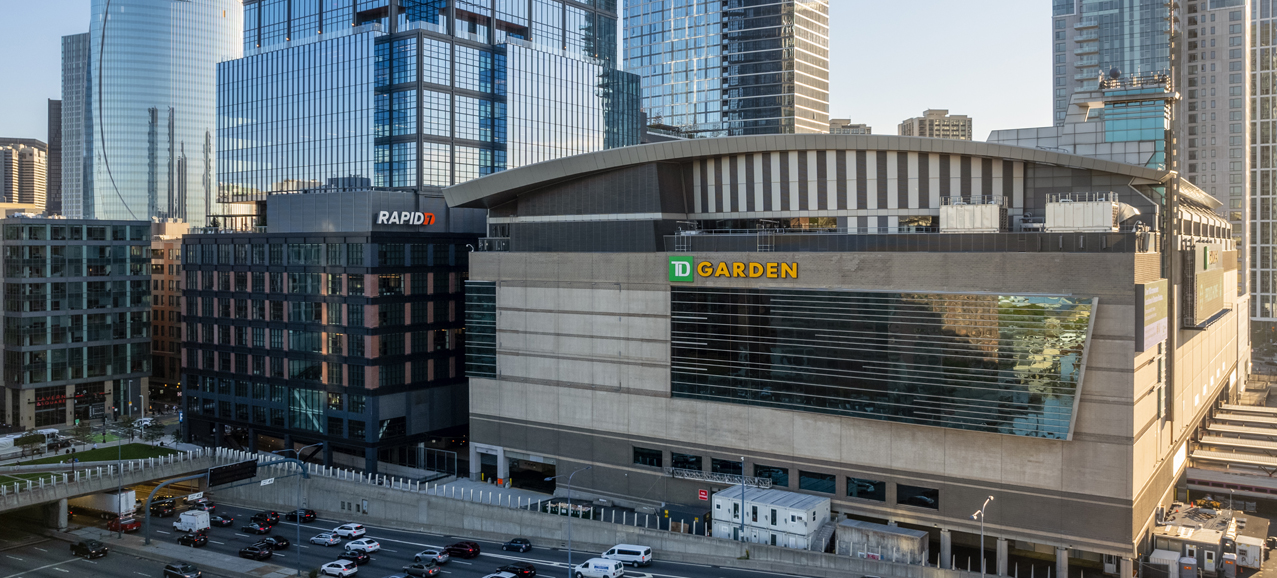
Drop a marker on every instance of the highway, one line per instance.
(53, 558)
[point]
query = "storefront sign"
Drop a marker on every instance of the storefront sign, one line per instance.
(686, 269)
(1203, 284)
(702, 494)
(1152, 324)
(405, 218)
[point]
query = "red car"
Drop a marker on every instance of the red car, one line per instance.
(464, 549)
(129, 524)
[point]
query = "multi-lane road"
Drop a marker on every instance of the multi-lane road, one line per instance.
(53, 558)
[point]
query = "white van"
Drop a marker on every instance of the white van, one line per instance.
(629, 554)
(599, 568)
(192, 521)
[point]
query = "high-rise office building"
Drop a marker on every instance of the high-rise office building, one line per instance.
(76, 130)
(149, 114)
(441, 93)
(845, 126)
(1262, 181)
(714, 68)
(166, 310)
(23, 171)
(53, 180)
(937, 123)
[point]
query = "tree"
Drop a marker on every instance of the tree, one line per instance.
(177, 435)
(30, 441)
(151, 435)
(126, 424)
(82, 430)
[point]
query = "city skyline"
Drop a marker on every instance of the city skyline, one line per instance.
(981, 31)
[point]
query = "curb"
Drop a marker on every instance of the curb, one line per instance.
(146, 554)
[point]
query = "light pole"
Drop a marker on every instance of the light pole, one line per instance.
(570, 569)
(297, 513)
(980, 513)
(742, 498)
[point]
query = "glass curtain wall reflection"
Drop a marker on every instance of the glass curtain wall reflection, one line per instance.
(996, 363)
(158, 82)
(712, 68)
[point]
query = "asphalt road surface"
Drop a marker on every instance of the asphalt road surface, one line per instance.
(52, 558)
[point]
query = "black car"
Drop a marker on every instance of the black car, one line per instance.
(256, 529)
(356, 556)
(270, 518)
(518, 545)
(519, 569)
(304, 515)
(275, 542)
(89, 549)
(426, 569)
(162, 511)
(220, 521)
(181, 570)
(194, 539)
(256, 552)
(465, 549)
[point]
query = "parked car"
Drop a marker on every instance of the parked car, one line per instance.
(422, 570)
(629, 554)
(306, 516)
(267, 517)
(363, 545)
(326, 539)
(464, 549)
(124, 524)
(220, 521)
(520, 569)
(359, 557)
(255, 529)
(194, 539)
(182, 570)
(339, 568)
(90, 549)
(275, 542)
(518, 545)
(256, 552)
(439, 556)
(350, 530)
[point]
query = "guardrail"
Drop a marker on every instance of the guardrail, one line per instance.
(11, 492)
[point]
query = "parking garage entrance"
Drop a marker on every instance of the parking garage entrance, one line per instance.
(530, 472)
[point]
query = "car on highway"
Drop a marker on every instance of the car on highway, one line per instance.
(629, 554)
(350, 530)
(599, 568)
(181, 570)
(256, 552)
(275, 542)
(204, 506)
(518, 545)
(339, 568)
(220, 521)
(89, 549)
(363, 545)
(194, 539)
(439, 556)
(196, 497)
(463, 549)
(124, 524)
(305, 516)
(326, 539)
(256, 528)
(164, 510)
(357, 556)
(423, 570)
(268, 517)
(520, 569)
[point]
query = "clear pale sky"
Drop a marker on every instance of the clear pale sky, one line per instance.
(889, 61)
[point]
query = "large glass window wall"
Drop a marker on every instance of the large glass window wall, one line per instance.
(1005, 364)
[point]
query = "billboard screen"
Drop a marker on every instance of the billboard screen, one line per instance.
(1203, 283)
(1151, 314)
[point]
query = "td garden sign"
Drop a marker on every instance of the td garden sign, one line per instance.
(687, 269)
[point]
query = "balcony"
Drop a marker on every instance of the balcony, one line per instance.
(1085, 23)
(1090, 74)
(1088, 37)
(1088, 48)
(1085, 62)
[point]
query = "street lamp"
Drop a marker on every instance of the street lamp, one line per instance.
(980, 513)
(550, 479)
(298, 512)
(742, 498)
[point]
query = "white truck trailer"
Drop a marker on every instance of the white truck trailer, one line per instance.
(108, 505)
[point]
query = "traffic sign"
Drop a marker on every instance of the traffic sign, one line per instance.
(232, 473)
(268, 481)
(195, 496)
(702, 494)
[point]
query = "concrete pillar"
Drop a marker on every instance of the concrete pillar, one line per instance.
(1126, 568)
(217, 435)
(55, 515)
(370, 460)
(1002, 557)
(946, 549)
(1061, 562)
(328, 455)
(252, 440)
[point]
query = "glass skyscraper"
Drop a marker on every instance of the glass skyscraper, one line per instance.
(75, 116)
(713, 68)
(155, 60)
(347, 96)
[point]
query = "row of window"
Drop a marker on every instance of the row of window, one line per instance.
(385, 314)
(861, 488)
(389, 374)
(382, 285)
(329, 254)
(77, 233)
(301, 340)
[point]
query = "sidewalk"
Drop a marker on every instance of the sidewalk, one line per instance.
(499, 494)
(211, 563)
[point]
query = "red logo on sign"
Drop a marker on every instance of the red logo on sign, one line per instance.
(703, 494)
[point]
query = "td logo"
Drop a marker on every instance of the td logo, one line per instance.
(681, 269)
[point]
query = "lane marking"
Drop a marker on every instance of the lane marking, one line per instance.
(162, 531)
(40, 549)
(216, 542)
(62, 570)
(141, 574)
(13, 557)
(42, 567)
(385, 550)
(466, 563)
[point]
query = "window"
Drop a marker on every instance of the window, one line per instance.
(647, 457)
(355, 315)
(356, 403)
(867, 489)
(355, 285)
(390, 255)
(685, 461)
(391, 428)
(355, 254)
(730, 467)
(918, 496)
(778, 476)
(816, 482)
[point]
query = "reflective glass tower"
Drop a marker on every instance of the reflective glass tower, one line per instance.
(149, 129)
(75, 116)
(714, 68)
(416, 94)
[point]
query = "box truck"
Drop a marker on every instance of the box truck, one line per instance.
(193, 521)
(109, 505)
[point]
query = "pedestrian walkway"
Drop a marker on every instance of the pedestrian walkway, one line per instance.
(490, 493)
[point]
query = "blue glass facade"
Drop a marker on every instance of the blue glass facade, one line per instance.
(156, 62)
(712, 68)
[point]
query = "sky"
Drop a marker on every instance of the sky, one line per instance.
(889, 61)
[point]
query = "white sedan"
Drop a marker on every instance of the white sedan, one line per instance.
(340, 568)
(366, 545)
(326, 540)
(350, 530)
